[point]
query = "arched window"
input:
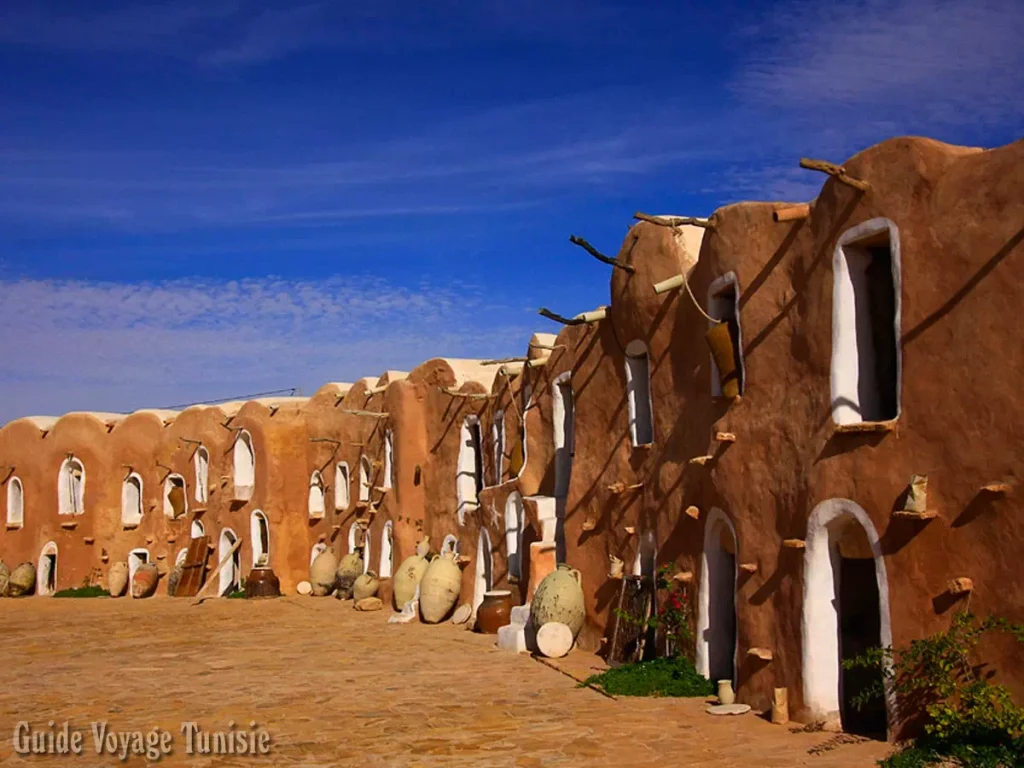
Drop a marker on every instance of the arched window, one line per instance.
(316, 494)
(230, 576)
(71, 487)
(244, 466)
(469, 477)
(563, 407)
(15, 503)
(724, 304)
(387, 553)
(514, 517)
(259, 529)
(341, 487)
(498, 438)
(201, 461)
(175, 500)
(316, 551)
(866, 308)
(198, 529)
(359, 539)
(365, 472)
(131, 501)
(389, 459)
(484, 580)
(638, 392)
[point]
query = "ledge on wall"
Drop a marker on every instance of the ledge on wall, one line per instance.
(860, 427)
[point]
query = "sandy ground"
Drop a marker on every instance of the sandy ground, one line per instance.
(333, 686)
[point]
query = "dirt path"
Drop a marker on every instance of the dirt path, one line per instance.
(337, 687)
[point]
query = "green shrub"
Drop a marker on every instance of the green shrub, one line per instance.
(93, 591)
(237, 595)
(673, 676)
(967, 717)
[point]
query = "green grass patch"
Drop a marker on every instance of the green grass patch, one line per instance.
(237, 595)
(93, 591)
(672, 676)
(927, 752)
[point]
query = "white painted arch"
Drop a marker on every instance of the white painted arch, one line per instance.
(852, 351)
(353, 531)
(387, 552)
(259, 530)
(230, 575)
(172, 482)
(244, 465)
(341, 486)
(467, 479)
(365, 473)
(46, 572)
(201, 464)
(710, 569)
(198, 529)
(450, 543)
(720, 304)
(563, 408)
(820, 624)
(71, 487)
(15, 503)
(131, 500)
(315, 505)
(136, 558)
(638, 393)
(515, 515)
(484, 580)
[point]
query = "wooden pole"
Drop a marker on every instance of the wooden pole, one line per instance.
(373, 414)
(792, 213)
(674, 221)
(468, 395)
(504, 360)
(676, 281)
(545, 312)
(835, 171)
(221, 564)
(594, 315)
(600, 256)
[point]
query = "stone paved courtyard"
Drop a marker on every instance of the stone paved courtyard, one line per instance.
(336, 687)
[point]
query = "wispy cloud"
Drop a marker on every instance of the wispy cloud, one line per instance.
(72, 345)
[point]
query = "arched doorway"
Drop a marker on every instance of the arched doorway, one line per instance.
(563, 407)
(136, 558)
(846, 611)
(469, 473)
(175, 500)
(131, 500)
(244, 465)
(231, 573)
(15, 503)
(387, 554)
(259, 529)
(716, 599)
(359, 539)
(316, 495)
(484, 579)
(514, 516)
(46, 572)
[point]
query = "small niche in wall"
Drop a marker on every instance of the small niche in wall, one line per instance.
(638, 393)
(175, 501)
(723, 304)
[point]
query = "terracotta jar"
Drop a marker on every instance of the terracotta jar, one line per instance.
(144, 581)
(323, 573)
(5, 578)
(494, 612)
(366, 585)
(726, 695)
(440, 588)
(349, 569)
(117, 579)
(407, 578)
(262, 582)
(23, 580)
(559, 598)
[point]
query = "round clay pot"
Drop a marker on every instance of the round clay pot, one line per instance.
(5, 578)
(117, 579)
(559, 598)
(365, 585)
(323, 573)
(262, 582)
(407, 578)
(173, 578)
(554, 639)
(494, 612)
(23, 580)
(440, 588)
(349, 569)
(144, 581)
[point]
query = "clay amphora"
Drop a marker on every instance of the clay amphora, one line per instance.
(117, 579)
(323, 573)
(407, 578)
(262, 582)
(559, 598)
(23, 580)
(726, 695)
(144, 581)
(349, 569)
(719, 338)
(440, 588)
(5, 578)
(494, 612)
(366, 585)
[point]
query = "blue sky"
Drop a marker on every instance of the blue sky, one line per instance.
(209, 198)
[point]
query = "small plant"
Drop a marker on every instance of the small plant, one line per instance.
(675, 676)
(85, 591)
(968, 718)
(673, 619)
(238, 594)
